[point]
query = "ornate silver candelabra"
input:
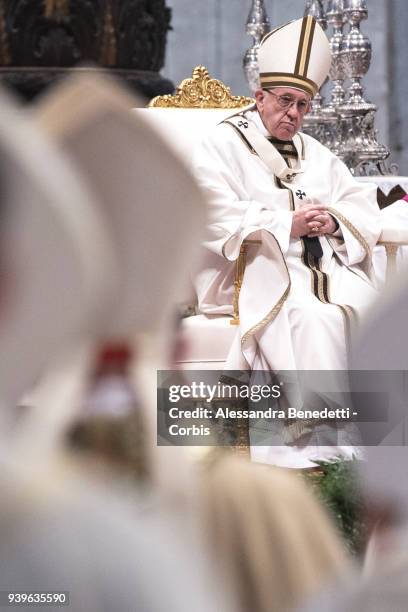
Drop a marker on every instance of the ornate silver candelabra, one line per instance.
(361, 150)
(346, 126)
(257, 26)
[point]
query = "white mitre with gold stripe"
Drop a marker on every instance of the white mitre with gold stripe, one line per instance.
(295, 55)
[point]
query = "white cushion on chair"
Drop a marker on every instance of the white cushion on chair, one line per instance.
(208, 339)
(183, 128)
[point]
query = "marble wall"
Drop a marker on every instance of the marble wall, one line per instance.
(212, 33)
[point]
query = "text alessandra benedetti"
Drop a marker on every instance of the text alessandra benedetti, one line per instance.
(289, 413)
(268, 413)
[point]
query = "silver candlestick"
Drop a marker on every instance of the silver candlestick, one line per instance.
(356, 50)
(257, 26)
(315, 123)
(362, 152)
(335, 18)
(315, 9)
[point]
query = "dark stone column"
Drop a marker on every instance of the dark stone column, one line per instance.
(41, 40)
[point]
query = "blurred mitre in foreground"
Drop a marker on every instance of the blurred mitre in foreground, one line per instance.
(56, 255)
(152, 206)
(154, 216)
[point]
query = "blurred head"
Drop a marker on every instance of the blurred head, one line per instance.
(282, 110)
(58, 527)
(271, 540)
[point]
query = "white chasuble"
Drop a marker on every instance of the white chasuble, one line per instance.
(295, 311)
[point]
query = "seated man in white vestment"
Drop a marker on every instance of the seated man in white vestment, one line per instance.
(309, 229)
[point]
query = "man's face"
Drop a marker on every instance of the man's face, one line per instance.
(281, 122)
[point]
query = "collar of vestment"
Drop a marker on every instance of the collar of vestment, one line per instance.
(253, 131)
(286, 148)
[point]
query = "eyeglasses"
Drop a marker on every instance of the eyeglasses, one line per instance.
(286, 102)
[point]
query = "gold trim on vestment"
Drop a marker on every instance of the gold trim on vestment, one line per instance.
(309, 34)
(287, 147)
(319, 279)
(240, 265)
(305, 46)
(239, 277)
(286, 79)
(292, 155)
(275, 310)
(348, 313)
(270, 316)
(352, 229)
(321, 289)
(290, 193)
(302, 154)
(300, 46)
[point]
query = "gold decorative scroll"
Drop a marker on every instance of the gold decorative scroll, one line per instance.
(201, 91)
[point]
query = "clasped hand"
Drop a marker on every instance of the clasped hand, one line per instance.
(312, 220)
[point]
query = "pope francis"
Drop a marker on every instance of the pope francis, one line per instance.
(308, 228)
